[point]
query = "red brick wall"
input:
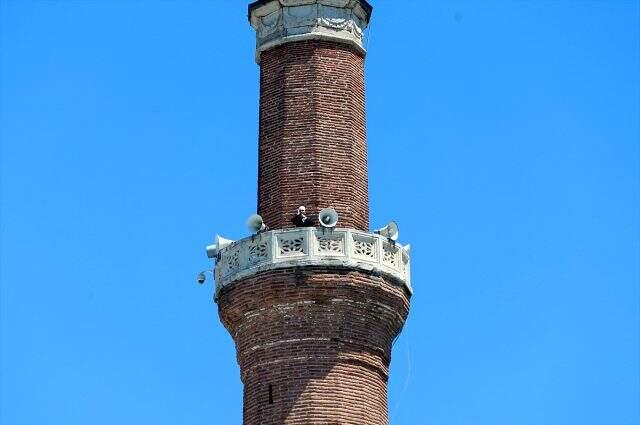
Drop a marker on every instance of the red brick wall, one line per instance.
(312, 133)
(314, 344)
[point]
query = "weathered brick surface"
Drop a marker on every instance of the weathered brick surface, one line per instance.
(314, 344)
(312, 147)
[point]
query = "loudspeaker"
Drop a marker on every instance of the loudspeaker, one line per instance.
(256, 224)
(389, 231)
(221, 243)
(328, 217)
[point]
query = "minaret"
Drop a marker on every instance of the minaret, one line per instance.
(313, 310)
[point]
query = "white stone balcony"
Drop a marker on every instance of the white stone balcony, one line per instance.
(312, 246)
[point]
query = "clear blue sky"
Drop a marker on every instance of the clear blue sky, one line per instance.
(503, 138)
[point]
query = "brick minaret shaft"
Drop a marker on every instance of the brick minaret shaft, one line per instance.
(313, 340)
(312, 133)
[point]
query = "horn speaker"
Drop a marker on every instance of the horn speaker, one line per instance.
(389, 231)
(328, 217)
(255, 223)
(221, 243)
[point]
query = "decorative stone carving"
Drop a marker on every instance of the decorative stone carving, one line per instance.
(281, 21)
(330, 244)
(257, 252)
(290, 245)
(390, 254)
(231, 262)
(364, 247)
(311, 246)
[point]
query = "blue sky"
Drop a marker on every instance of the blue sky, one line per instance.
(503, 138)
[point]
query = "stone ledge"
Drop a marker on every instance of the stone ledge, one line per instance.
(281, 21)
(313, 247)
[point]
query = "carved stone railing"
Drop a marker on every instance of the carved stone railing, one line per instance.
(311, 246)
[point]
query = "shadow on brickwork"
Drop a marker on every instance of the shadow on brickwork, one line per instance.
(314, 344)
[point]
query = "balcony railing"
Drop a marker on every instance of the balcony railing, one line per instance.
(311, 246)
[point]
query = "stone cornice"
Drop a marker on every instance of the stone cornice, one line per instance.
(281, 21)
(311, 246)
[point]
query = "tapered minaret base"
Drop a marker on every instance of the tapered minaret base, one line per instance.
(314, 345)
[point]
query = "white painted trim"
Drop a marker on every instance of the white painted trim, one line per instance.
(299, 247)
(284, 21)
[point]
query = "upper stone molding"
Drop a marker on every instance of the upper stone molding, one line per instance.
(281, 21)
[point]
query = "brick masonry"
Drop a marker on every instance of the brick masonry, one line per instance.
(312, 142)
(314, 344)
